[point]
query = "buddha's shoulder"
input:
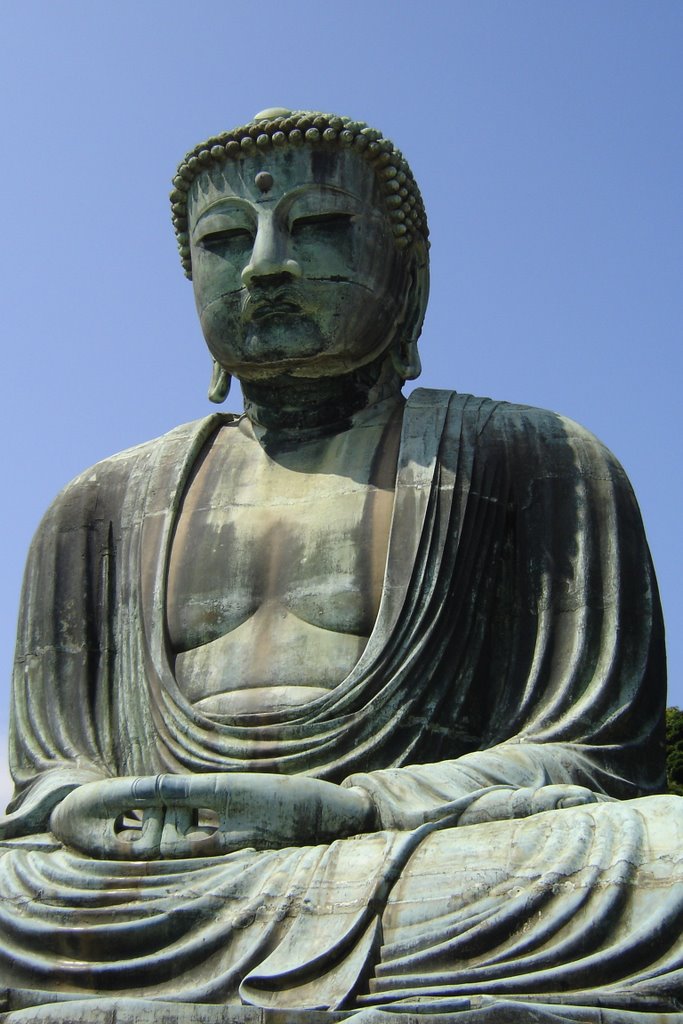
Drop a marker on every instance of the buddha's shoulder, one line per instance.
(525, 433)
(101, 488)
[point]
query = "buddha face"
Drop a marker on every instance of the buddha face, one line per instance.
(295, 268)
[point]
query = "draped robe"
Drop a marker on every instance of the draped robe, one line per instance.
(518, 644)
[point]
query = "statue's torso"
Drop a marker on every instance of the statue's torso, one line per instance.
(277, 564)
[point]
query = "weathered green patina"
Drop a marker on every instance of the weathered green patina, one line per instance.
(346, 703)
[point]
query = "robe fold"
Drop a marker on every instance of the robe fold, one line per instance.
(518, 644)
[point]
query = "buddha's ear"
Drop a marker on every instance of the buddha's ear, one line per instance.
(404, 352)
(220, 384)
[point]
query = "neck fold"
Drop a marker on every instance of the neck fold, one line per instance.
(299, 406)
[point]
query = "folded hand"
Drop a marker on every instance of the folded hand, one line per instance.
(176, 816)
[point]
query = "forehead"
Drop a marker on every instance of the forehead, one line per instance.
(290, 169)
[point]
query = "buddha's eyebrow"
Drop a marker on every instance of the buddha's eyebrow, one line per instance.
(226, 204)
(301, 191)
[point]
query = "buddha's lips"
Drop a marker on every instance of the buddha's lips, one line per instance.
(261, 309)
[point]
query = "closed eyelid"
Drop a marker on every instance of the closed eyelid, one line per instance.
(223, 217)
(223, 226)
(319, 201)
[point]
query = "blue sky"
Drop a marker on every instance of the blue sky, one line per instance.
(548, 141)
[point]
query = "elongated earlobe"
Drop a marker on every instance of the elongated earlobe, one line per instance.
(404, 354)
(220, 384)
(406, 359)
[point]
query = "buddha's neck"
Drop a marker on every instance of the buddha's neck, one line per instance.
(298, 406)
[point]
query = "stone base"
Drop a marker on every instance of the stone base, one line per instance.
(21, 1008)
(24, 1007)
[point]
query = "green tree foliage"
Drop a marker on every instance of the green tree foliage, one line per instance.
(674, 750)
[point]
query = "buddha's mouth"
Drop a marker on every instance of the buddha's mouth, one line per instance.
(271, 304)
(269, 310)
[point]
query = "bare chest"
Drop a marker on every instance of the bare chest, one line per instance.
(318, 553)
(277, 564)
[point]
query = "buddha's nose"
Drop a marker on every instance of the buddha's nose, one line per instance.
(269, 257)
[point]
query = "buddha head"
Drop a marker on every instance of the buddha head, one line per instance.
(306, 240)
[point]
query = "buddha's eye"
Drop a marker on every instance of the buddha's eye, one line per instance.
(330, 223)
(226, 241)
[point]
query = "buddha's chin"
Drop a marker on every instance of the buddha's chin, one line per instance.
(281, 345)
